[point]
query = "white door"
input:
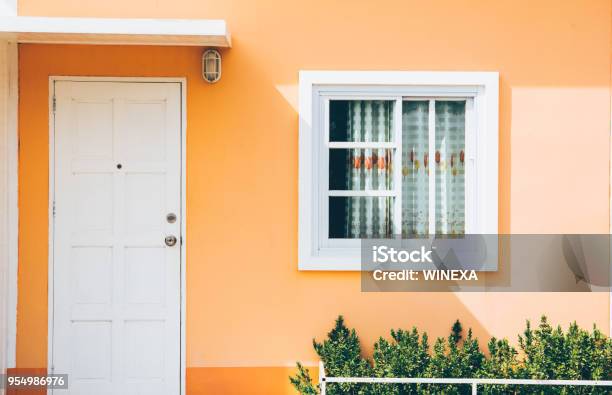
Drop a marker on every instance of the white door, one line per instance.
(116, 282)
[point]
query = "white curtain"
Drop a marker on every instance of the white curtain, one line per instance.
(372, 169)
(447, 163)
(370, 121)
(415, 168)
(450, 167)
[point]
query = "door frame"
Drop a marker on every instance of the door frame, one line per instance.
(182, 81)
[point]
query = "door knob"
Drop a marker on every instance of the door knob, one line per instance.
(170, 240)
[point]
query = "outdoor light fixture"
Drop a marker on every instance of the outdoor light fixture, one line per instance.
(211, 66)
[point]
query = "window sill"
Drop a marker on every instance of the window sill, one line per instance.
(350, 260)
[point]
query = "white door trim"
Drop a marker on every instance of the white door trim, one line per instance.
(12, 149)
(183, 244)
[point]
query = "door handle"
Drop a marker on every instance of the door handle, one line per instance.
(170, 240)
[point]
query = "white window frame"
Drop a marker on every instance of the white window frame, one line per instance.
(481, 92)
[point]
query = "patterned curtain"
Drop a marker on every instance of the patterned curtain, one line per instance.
(370, 121)
(450, 169)
(447, 165)
(415, 168)
(361, 169)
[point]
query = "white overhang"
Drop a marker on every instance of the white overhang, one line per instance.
(120, 31)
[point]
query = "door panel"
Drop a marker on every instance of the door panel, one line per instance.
(116, 284)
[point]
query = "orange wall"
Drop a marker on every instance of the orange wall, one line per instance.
(257, 310)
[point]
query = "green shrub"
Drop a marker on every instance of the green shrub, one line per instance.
(501, 364)
(452, 359)
(302, 381)
(574, 355)
(545, 353)
(406, 355)
(341, 354)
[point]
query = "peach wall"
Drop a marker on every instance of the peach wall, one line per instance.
(257, 310)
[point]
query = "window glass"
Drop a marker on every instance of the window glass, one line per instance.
(365, 170)
(360, 217)
(358, 169)
(415, 168)
(361, 120)
(450, 167)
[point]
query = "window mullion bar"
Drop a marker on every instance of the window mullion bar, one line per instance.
(397, 167)
(431, 167)
(364, 192)
(362, 145)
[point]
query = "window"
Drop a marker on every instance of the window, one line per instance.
(384, 154)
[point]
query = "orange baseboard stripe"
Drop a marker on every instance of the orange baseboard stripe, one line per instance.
(242, 380)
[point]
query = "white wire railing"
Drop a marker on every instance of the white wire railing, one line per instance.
(474, 383)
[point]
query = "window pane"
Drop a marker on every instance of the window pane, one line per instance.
(415, 168)
(360, 217)
(360, 169)
(361, 120)
(449, 167)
